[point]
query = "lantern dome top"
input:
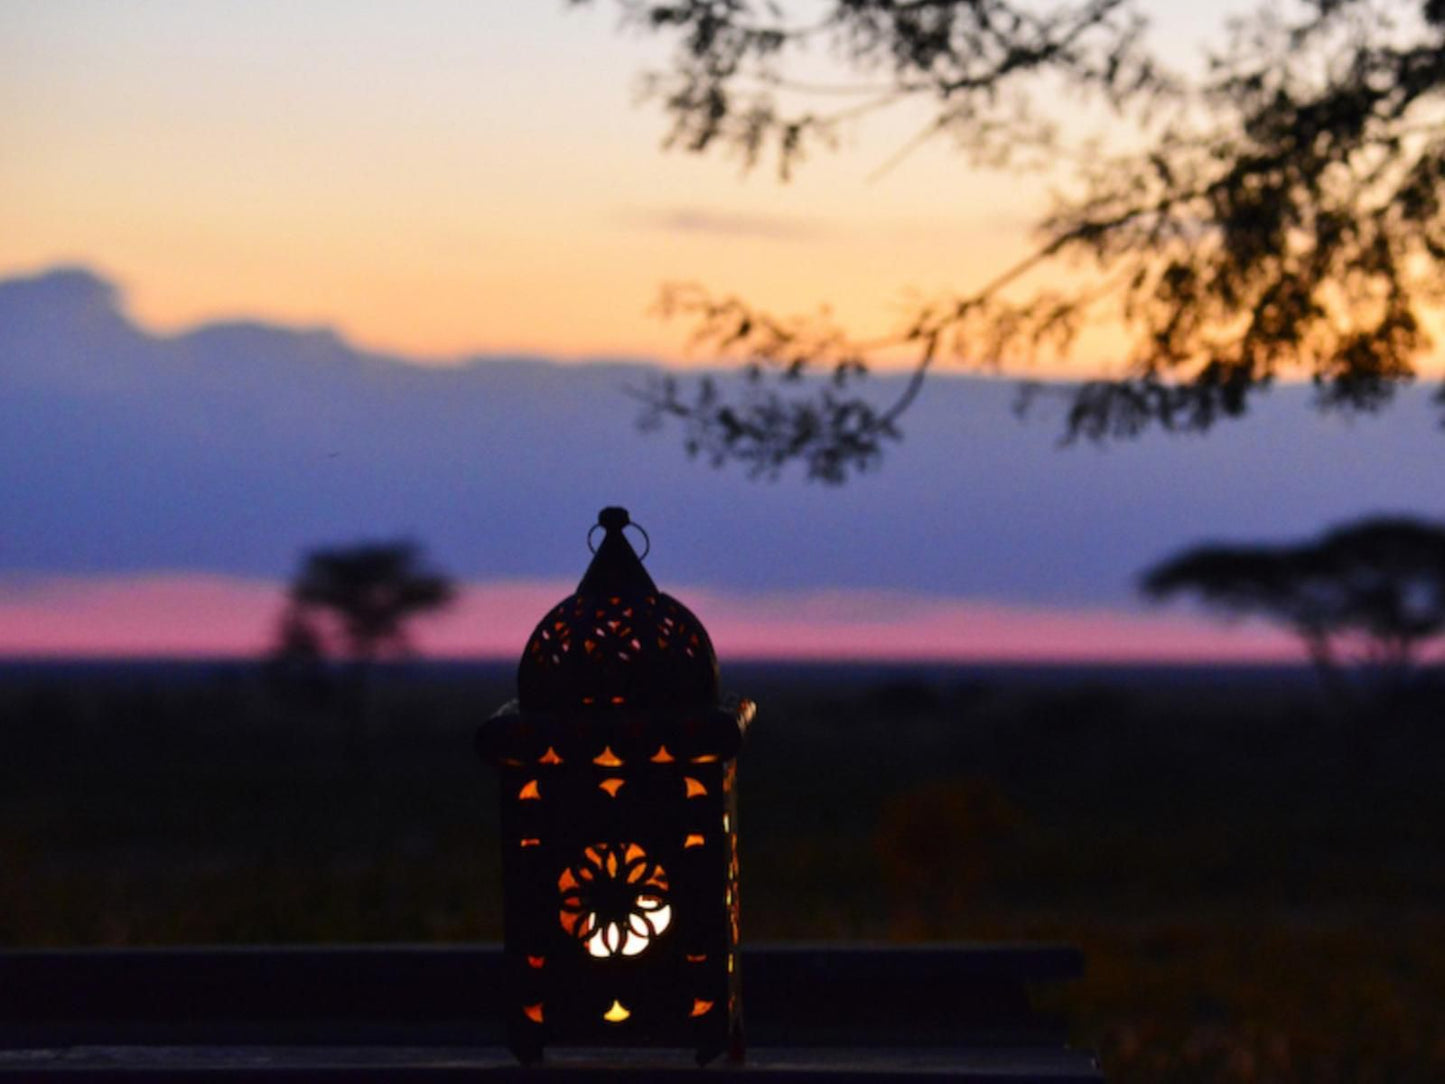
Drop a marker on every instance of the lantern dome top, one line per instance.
(617, 641)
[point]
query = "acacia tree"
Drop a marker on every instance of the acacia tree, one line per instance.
(1372, 592)
(355, 602)
(1285, 217)
(366, 594)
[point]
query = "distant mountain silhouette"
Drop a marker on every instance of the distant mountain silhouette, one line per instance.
(233, 446)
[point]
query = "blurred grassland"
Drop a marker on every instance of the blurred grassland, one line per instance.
(1256, 875)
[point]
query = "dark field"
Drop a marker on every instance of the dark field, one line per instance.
(1256, 874)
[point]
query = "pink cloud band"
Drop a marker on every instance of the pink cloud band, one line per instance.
(189, 614)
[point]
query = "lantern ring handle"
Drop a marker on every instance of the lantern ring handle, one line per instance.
(646, 541)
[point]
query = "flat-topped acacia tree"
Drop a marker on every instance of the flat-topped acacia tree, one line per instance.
(1280, 217)
(1370, 592)
(356, 602)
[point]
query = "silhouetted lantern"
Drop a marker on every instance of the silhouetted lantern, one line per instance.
(619, 821)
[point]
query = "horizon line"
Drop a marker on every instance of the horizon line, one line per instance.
(121, 657)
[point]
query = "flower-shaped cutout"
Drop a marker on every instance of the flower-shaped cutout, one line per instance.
(614, 900)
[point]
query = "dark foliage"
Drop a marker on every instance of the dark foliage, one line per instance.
(729, 87)
(352, 603)
(1375, 588)
(1285, 218)
(367, 593)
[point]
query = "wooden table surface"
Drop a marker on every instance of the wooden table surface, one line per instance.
(429, 1012)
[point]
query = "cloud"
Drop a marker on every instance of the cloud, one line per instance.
(913, 627)
(231, 448)
(174, 614)
(191, 615)
(726, 223)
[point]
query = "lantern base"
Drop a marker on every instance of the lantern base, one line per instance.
(525, 1043)
(529, 1042)
(530, 1053)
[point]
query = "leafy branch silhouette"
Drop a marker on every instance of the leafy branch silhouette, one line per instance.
(1284, 218)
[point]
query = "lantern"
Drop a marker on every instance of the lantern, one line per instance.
(619, 821)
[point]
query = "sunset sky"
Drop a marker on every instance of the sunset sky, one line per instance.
(442, 179)
(449, 176)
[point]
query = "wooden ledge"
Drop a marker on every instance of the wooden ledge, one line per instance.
(429, 1012)
(107, 1065)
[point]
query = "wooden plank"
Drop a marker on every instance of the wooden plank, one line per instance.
(424, 1012)
(456, 989)
(269, 1065)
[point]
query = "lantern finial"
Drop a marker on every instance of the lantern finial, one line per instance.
(616, 569)
(613, 519)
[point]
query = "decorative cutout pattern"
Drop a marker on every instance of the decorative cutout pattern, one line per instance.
(607, 758)
(618, 1013)
(614, 900)
(596, 651)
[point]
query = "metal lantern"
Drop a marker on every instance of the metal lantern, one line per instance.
(619, 821)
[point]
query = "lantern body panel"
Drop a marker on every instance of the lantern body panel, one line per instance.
(621, 904)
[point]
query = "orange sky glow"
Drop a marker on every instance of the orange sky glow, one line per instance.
(444, 179)
(448, 178)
